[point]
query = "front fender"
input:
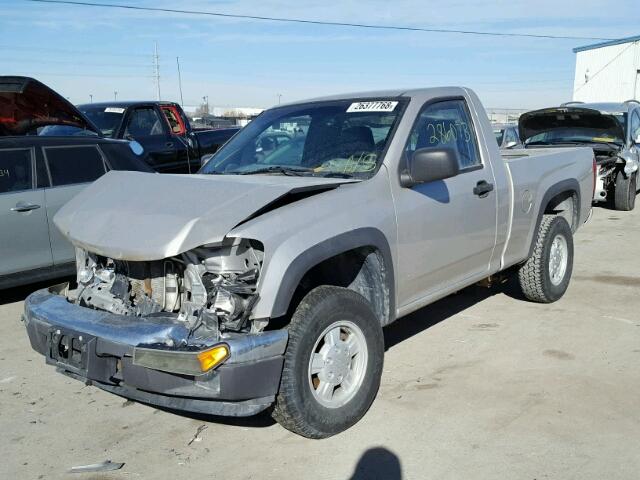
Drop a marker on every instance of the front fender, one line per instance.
(630, 163)
(295, 269)
(298, 236)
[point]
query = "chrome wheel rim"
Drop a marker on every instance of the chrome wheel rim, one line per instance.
(558, 259)
(338, 364)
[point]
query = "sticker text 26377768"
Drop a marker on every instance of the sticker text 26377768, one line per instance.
(375, 106)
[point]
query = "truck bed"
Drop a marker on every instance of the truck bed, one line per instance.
(532, 172)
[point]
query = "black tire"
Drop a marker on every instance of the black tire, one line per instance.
(534, 277)
(296, 407)
(625, 192)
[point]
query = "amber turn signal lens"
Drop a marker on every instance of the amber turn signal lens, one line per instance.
(210, 359)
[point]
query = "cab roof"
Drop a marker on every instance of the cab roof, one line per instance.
(418, 93)
(125, 104)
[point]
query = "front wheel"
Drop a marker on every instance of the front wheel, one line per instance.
(333, 363)
(544, 278)
(625, 192)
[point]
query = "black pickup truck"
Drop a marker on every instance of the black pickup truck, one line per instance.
(162, 128)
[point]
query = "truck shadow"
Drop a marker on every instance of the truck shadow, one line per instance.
(261, 420)
(444, 308)
(394, 334)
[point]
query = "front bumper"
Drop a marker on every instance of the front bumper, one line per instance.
(97, 347)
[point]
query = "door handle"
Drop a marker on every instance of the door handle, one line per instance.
(24, 207)
(482, 188)
(169, 144)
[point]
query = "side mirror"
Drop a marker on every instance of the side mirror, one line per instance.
(637, 139)
(430, 164)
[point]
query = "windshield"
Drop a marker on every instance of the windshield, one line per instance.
(574, 135)
(499, 135)
(107, 119)
(344, 138)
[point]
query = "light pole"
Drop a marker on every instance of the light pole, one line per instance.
(205, 99)
(279, 97)
(180, 81)
(115, 95)
(90, 98)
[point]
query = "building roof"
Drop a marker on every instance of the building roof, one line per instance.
(608, 43)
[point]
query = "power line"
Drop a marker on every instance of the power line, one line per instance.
(315, 22)
(99, 75)
(71, 52)
(75, 62)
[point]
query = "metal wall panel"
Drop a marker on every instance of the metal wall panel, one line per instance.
(608, 73)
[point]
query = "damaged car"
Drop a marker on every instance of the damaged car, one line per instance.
(264, 281)
(612, 130)
(48, 153)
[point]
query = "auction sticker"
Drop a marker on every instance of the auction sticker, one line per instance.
(375, 106)
(114, 110)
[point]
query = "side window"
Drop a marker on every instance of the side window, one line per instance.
(511, 136)
(69, 165)
(42, 176)
(635, 125)
(16, 172)
(446, 124)
(175, 122)
(144, 122)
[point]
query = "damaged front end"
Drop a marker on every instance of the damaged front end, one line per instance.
(209, 289)
(158, 331)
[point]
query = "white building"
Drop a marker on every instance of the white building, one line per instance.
(608, 71)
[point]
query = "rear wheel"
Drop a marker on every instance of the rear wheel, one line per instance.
(333, 363)
(625, 192)
(544, 278)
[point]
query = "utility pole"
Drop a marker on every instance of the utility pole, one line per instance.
(205, 99)
(90, 98)
(156, 68)
(115, 95)
(180, 82)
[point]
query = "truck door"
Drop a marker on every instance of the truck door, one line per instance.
(447, 228)
(186, 148)
(146, 126)
(24, 237)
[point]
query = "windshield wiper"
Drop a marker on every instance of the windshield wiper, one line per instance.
(335, 175)
(598, 142)
(276, 169)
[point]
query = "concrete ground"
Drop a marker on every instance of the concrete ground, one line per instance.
(480, 385)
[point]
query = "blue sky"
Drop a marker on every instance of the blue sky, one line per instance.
(82, 51)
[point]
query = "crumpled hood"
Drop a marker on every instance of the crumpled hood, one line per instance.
(26, 104)
(549, 119)
(147, 216)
